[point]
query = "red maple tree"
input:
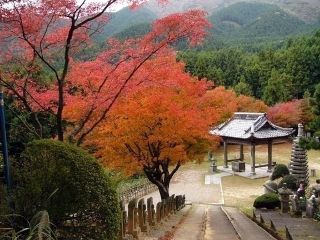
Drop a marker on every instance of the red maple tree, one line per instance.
(287, 114)
(158, 127)
(42, 40)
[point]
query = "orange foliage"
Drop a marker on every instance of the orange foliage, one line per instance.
(224, 103)
(166, 119)
(250, 104)
(171, 110)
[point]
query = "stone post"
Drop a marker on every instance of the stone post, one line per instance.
(285, 193)
(173, 210)
(174, 205)
(150, 210)
(133, 227)
(163, 209)
(158, 212)
(123, 222)
(142, 216)
(153, 215)
(169, 205)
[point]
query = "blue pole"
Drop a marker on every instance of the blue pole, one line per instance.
(7, 175)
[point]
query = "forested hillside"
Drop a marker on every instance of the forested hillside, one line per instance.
(243, 23)
(307, 10)
(272, 75)
(126, 19)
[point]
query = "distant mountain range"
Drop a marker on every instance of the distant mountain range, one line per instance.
(233, 20)
(245, 20)
(307, 10)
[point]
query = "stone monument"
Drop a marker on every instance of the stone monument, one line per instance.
(284, 193)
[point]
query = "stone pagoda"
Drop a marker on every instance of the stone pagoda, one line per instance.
(299, 160)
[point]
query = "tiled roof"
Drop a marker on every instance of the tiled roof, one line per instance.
(250, 125)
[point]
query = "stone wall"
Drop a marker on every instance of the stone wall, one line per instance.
(142, 215)
(137, 191)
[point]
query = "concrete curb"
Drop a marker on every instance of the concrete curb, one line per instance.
(240, 231)
(232, 222)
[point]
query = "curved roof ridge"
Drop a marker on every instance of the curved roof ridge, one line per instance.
(257, 124)
(250, 125)
(278, 127)
(220, 126)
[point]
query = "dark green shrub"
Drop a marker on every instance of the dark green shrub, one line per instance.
(309, 143)
(69, 183)
(268, 200)
(291, 181)
(280, 170)
(317, 215)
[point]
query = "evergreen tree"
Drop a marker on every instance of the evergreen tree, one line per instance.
(243, 88)
(306, 110)
(278, 89)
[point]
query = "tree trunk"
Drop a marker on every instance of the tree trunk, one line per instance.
(164, 192)
(159, 175)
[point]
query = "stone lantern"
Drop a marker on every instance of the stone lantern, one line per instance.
(284, 193)
(213, 162)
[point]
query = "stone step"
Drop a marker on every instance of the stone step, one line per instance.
(245, 227)
(299, 228)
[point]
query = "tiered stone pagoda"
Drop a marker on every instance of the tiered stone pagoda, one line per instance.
(250, 129)
(299, 160)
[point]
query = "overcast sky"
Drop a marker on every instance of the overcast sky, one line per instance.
(115, 7)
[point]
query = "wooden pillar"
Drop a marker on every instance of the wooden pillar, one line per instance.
(270, 156)
(253, 159)
(241, 152)
(225, 147)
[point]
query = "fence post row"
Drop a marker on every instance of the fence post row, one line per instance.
(140, 217)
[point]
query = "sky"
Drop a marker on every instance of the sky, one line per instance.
(114, 8)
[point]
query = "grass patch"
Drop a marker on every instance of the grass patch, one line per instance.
(241, 192)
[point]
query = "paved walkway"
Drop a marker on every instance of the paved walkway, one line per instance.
(219, 226)
(197, 184)
(205, 219)
(206, 222)
(193, 227)
(210, 222)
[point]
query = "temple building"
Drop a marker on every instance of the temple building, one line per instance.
(250, 129)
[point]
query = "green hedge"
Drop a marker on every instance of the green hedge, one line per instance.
(291, 181)
(268, 200)
(280, 170)
(66, 181)
(310, 143)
